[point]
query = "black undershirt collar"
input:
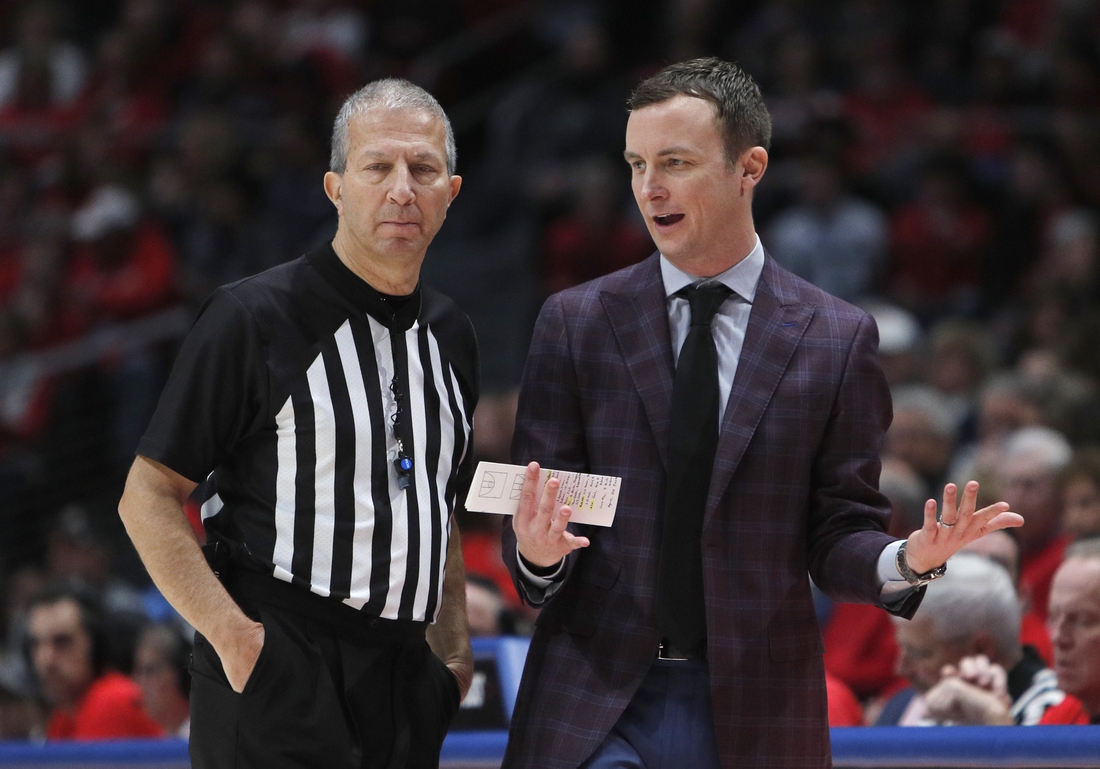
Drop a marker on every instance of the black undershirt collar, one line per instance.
(397, 313)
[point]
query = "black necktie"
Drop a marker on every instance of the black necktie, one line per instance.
(693, 441)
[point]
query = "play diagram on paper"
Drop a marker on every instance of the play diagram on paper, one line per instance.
(496, 489)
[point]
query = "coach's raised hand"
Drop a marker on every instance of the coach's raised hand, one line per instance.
(540, 529)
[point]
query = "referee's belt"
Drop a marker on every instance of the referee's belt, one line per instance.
(244, 583)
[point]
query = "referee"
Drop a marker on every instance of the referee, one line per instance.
(326, 406)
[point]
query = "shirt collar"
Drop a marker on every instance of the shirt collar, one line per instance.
(742, 278)
(361, 294)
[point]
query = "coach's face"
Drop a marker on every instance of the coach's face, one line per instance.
(696, 203)
(394, 192)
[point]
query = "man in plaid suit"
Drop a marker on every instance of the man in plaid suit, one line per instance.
(793, 486)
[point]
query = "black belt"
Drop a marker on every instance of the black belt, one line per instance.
(666, 650)
(243, 583)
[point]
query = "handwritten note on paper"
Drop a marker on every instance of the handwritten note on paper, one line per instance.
(496, 489)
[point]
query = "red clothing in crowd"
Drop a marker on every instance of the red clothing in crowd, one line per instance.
(142, 282)
(1037, 572)
(11, 270)
(576, 250)
(936, 251)
(110, 709)
(1034, 633)
(844, 708)
(860, 648)
(481, 552)
(1068, 712)
(886, 124)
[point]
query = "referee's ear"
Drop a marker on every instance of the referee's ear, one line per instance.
(455, 183)
(334, 184)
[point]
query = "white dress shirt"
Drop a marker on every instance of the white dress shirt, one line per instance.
(728, 327)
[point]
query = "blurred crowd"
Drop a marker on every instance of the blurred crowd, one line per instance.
(937, 163)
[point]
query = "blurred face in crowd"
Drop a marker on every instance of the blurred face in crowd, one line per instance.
(924, 652)
(695, 201)
(62, 652)
(999, 547)
(912, 439)
(394, 192)
(1081, 508)
(1031, 488)
(1001, 413)
(154, 673)
(483, 609)
(1074, 622)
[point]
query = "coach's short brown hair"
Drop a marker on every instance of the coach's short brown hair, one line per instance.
(742, 116)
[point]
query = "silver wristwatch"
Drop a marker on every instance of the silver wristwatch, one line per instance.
(911, 576)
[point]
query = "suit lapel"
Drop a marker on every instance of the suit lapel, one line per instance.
(639, 317)
(776, 325)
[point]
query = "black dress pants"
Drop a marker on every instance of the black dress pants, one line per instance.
(321, 697)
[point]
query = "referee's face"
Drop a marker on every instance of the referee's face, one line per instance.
(394, 192)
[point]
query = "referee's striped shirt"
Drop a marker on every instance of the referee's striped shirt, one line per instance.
(285, 395)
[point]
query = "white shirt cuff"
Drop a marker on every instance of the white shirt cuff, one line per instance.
(894, 586)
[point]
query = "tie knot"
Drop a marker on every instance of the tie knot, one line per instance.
(704, 301)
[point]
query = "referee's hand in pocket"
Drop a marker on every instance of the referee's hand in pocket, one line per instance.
(540, 528)
(240, 654)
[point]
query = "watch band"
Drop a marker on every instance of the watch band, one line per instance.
(911, 576)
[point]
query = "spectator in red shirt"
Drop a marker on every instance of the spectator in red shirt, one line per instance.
(595, 237)
(938, 243)
(1075, 630)
(844, 707)
(1028, 476)
(68, 645)
(122, 265)
(1004, 548)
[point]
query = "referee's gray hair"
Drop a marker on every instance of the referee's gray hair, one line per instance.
(975, 596)
(391, 93)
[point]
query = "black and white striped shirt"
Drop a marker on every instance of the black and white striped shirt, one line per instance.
(284, 395)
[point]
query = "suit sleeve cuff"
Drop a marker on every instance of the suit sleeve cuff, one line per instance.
(535, 580)
(895, 589)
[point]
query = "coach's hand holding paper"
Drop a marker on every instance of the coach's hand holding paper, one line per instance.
(540, 528)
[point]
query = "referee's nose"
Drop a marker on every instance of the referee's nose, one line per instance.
(401, 190)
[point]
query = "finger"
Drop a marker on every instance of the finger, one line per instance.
(560, 521)
(1005, 520)
(930, 515)
(547, 503)
(950, 514)
(977, 670)
(528, 495)
(999, 513)
(575, 542)
(969, 498)
(999, 680)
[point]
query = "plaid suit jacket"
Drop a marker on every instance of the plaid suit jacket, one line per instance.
(794, 489)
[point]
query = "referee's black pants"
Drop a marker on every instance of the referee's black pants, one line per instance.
(321, 695)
